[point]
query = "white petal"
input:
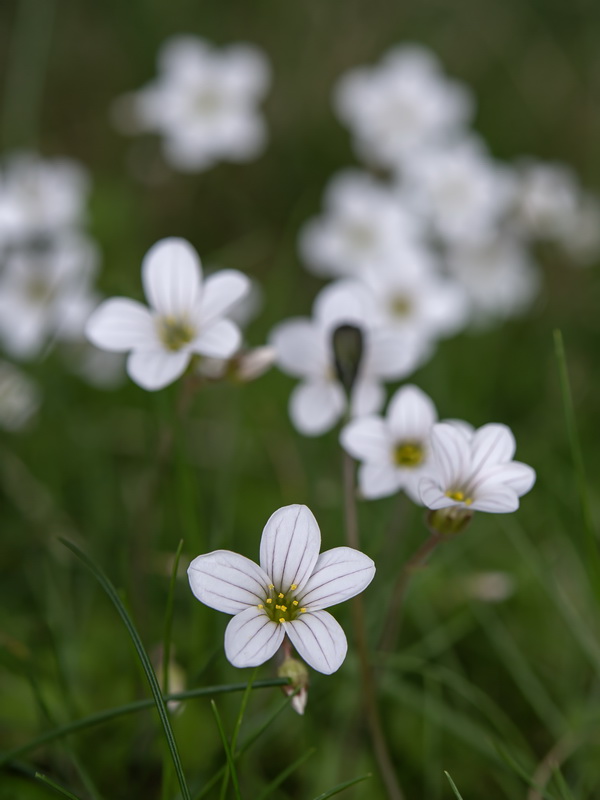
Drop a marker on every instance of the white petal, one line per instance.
(227, 581)
(319, 640)
(339, 574)
(394, 355)
(378, 480)
(120, 325)
(290, 546)
(433, 496)
(251, 638)
(367, 397)
(495, 498)
(344, 302)
(452, 455)
(301, 348)
(157, 369)
(221, 292)
(492, 444)
(411, 414)
(316, 406)
(519, 477)
(171, 274)
(219, 340)
(367, 439)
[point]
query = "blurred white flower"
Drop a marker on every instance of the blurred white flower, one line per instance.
(394, 450)
(490, 587)
(581, 238)
(244, 366)
(364, 221)
(498, 276)
(46, 293)
(460, 190)
(186, 316)
(401, 105)
(547, 199)
(19, 398)
(411, 296)
(475, 471)
(203, 102)
(305, 350)
(285, 595)
(40, 198)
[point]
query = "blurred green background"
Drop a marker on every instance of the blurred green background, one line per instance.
(471, 679)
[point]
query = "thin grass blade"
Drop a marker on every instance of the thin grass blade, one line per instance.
(453, 785)
(341, 786)
(53, 785)
(227, 748)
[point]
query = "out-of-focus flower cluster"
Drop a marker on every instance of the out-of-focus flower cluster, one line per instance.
(48, 261)
(433, 236)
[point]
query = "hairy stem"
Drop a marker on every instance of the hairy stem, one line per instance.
(378, 740)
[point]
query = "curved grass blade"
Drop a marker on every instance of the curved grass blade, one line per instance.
(159, 701)
(287, 771)
(121, 711)
(453, 785)
(341, 786)
(59, 789)
(227, 748)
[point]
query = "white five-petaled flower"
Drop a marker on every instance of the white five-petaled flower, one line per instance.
(186, 316)
(19, 397)
(285, 595)
(401, 105)
(203, 102)
(305, 350)
(395, 450)
(364, 221)
(474, 470)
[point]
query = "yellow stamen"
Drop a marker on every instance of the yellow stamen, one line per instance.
(269, 600)
(260, 605)
(293, 587)
(294, 602)
(281, 595)
(303, 610)
(283, 608)
(281, 619)
(271, 586)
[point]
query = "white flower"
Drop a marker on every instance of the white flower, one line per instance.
(401, 105)
(411, 296)
(186, 316)
(46, 293)
(475, 471)
(547, 199)
(364, 222)
(19, 398)
(285, 595)
(40, 197)
(203, 102)
(498, 276)
(460, 190)
(395, 450)
(305, 350)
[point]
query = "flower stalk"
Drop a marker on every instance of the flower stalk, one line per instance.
(378, 741)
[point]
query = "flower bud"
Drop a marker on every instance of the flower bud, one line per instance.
(297, 672)
(449, 521)
(347, 341)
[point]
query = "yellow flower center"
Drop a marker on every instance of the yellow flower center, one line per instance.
(401, 306)
(175, 333)
(459, 497)
(408, 454)
(282, 606)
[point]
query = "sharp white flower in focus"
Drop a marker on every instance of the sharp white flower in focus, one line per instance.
(403, 104)
(204, 103)
(395, 450)
(305, 350)
(286, 595)
(187, 316)
(474, 470)
(364, 222)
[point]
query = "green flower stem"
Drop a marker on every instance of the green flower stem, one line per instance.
(378, 741)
